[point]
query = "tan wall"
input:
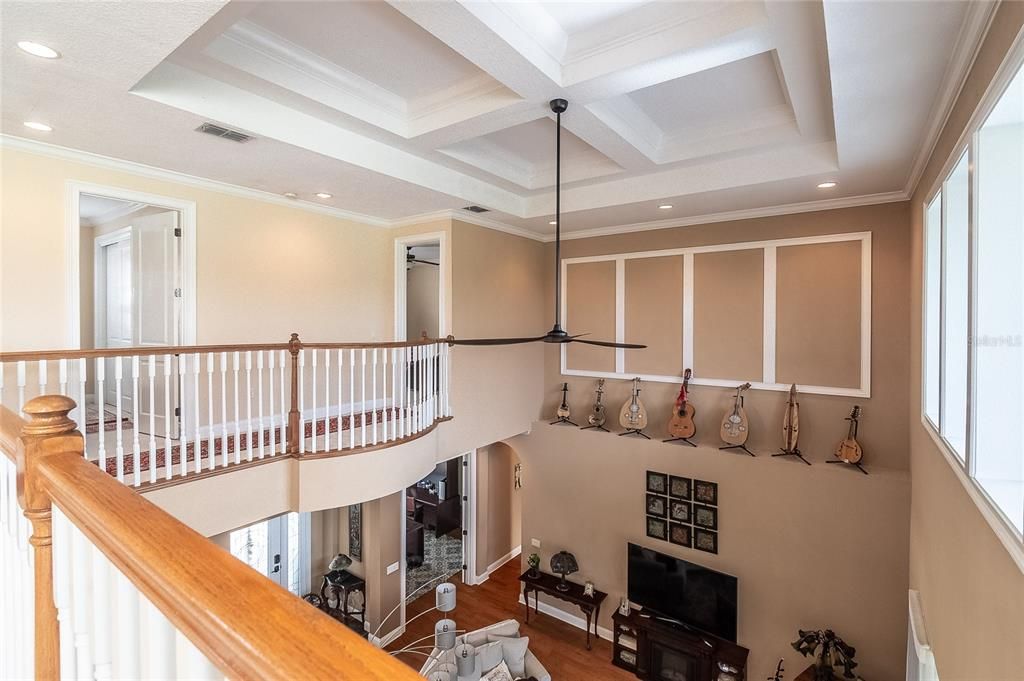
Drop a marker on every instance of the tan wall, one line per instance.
(498, 511)
(263, 270)
(971, 590)
(884, 425)
(811, 547)
(421, 301)
(382, 546)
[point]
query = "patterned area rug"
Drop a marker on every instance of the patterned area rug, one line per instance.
(442, 557)
(92, 419)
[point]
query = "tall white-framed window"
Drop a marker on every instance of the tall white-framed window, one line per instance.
(973, 299)
(278, 548)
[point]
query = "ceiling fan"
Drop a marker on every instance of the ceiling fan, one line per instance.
(557, 334)
(410, 258)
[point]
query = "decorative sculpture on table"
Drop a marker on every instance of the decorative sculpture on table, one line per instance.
(564, 563)
(829, 651)
(339, 562)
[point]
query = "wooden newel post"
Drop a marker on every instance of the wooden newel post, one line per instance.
(48, 431)
(294, 346)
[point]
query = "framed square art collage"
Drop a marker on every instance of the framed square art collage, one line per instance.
(682, 511)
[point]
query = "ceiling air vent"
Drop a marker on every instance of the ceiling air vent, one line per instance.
(475, 209)
(226, 133)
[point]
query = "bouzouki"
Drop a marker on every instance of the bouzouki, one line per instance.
(734, 431)
(849, 450)
(563, 409)
(598, 415)
(791, 428)
(633, 416)
(681, 425)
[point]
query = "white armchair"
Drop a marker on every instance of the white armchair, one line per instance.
(507, 628)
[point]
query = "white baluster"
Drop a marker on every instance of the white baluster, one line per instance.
(248, 405)
(81, 603)
(62, 377)
(283, 439)
(197, 439)
(224, 408)
(42, 376)
(259, 398)
(235, 356)
(151, 372)
(136, 445)
(341, 354)
(182, 434)
(83, 365)
(211, 441)
(351, 398)
(395, 370)
(158, 657)
(21, 385)
(403, 383)
(119, 418)
(302, 401)
(313, 354)
(327, 400)
(127, 624)
(384, 411)
(62, 570)
(102, 619)
(168, 451)
(373, 398)
(362, 399)
(192, 664)
(271, 363)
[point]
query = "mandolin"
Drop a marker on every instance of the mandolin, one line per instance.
(849, 450)
(791, 422)
(681, 424)
(734, 429)
(633, 415)
(598, 414)
(563, 408)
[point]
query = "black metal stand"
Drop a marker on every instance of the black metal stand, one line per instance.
(859, 467)
(636, 431)
(562, 419)
(743, 447)
(595, 425)
(795, 452)
(683, 439)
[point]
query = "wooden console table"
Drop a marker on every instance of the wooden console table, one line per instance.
(341, 583)
(548, 584)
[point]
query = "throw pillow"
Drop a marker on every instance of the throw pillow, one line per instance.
(489, 655)
(499, 673)
(513, 651)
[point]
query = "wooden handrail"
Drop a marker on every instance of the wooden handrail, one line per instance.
(143, 351)
(11, 426)
(253, 629)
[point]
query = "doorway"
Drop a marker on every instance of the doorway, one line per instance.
(130, 296)
(421, 264)
(278, 548)
(435, 529)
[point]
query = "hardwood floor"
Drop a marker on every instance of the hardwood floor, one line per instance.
(560, 647)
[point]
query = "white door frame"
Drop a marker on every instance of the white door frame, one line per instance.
(401, 281)
(187, 211)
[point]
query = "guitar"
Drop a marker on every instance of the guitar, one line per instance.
(849, 450)
(734, 424)
(633, 415)
(563, 408)
(791, 422)
(681, 424)
(598, 414)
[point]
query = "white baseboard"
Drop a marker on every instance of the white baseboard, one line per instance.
(511, 555)
(382, 642)
(568, 618)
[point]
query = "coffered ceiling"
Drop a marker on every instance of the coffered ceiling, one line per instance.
(403, 109)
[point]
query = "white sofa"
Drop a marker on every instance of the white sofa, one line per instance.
(508, 628)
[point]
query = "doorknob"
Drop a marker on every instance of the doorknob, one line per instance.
(277, 563)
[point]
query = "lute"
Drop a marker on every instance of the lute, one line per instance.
(633, 415)
(734, 429)
(791, 422)
(598, 415)
(849, 450)
(681, 424)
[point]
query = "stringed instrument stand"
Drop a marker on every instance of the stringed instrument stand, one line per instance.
(563, 409)
(599, 426)
(636, 431)
(795, 452)
(681, 439)
(859, 467)
(742, 446)
(791, 428)
(854, 427)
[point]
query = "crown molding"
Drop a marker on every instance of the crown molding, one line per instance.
(968, 43)
(154, 173)
(113, 214)
(745, 214)
(472, 218)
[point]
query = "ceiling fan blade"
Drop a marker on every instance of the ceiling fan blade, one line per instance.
(493, 341)
(608, 344)
(425, 262)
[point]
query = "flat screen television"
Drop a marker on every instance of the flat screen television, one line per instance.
(683, 591)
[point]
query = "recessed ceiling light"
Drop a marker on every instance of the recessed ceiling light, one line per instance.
(553, 222)
(291, 195)
(41, 127)
(38, 50)
(665, 206)
(322, 195)
(827, 185)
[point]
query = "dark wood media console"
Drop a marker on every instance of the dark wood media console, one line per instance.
(663, 651)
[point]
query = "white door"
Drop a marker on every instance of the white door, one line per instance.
(278, 548)
(157, 315)
(115, 318)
